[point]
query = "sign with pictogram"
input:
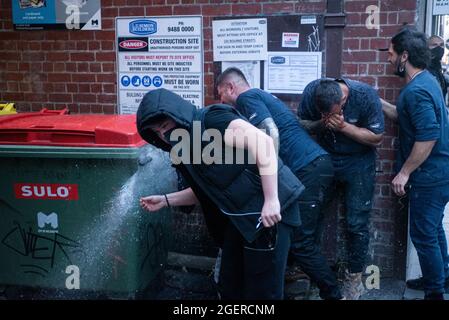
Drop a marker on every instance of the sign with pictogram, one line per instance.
(159, 52)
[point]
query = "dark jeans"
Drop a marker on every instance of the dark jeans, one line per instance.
(254, 271)
(305, 250)
(358, 185)
(427, 234)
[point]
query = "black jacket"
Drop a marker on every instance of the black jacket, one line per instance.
(437, 71)
(224, 190)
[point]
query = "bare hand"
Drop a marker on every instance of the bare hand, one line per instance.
(153, 203)
(399, 183)
(271, 213)
(335, 122)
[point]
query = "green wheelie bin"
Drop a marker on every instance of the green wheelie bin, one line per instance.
(69, 205)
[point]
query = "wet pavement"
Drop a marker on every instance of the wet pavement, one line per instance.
(190, 285)
(191, 278)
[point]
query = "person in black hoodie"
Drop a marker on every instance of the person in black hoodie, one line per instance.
(436, 47)
(249, 202)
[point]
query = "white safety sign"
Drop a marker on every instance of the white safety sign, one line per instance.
(290, 72)
(159, 52)
(440, 7)
(241, 39)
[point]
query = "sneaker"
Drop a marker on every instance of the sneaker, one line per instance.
(415, 284)
(418, 284)
(294, 273)
(352, 286)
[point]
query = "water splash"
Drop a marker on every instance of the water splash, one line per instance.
(118, 225)
(105, 261)
(104, 234)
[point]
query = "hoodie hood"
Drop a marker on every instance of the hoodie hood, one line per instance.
(162, 102)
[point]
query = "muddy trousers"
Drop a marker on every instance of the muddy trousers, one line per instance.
(358, 186)
(305, 249)
(254, 271)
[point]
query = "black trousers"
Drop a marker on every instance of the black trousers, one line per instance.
(305, 250)
(254, 271)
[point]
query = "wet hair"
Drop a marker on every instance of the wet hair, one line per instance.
(415, 43)
(228, 73)
(327, 94)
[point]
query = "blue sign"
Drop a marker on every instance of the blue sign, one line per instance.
(125, 81)
(143, 27)
(34, 12)
(278, 60)
(157, 81)
(136, 81)
(146, 81)
(56, 14)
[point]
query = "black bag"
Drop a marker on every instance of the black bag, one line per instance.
(244, 206)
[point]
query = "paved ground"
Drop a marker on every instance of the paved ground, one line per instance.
(191, 278)
(190, 285)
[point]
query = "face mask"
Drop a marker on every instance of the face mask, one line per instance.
(167, 136)
(437, 54)
(400, 68)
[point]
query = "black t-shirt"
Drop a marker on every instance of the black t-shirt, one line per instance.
(219, 119)
(296, 148)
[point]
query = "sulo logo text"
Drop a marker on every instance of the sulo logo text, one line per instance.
(46, 191)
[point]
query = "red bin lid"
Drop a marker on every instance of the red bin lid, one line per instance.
(58, 129)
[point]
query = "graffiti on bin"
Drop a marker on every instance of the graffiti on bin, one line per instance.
(39, 247)
(155, 245)
(117, 262)
(113, 251)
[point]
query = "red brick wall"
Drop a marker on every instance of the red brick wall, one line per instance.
(76, 69)
(362, 61)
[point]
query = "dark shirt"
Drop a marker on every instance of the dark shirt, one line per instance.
(227, 173)
(296, 148)
(422, 116)
(437, 72)
(219, 119)
(362, 109)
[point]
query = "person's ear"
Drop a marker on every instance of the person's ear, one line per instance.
(404, 56)
(231, 87)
